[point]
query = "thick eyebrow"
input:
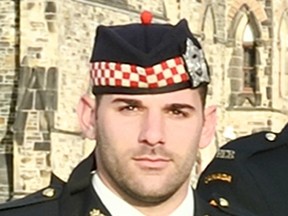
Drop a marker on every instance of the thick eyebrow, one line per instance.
(135, 102)
(132, 102)
(180, 106)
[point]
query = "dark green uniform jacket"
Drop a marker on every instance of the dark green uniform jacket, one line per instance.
(251, 172)
(77, 198)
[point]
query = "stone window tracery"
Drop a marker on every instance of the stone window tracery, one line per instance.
(244, 71)
(249, 59)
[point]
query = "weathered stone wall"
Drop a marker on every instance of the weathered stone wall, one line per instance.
(279, 60)
(9, 48)
(48, 71)
(37, 96)
(244, 113)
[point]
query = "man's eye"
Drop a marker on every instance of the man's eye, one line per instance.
(129, 108)
(178, 113)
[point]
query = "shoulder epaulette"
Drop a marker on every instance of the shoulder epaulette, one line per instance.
(50, 193)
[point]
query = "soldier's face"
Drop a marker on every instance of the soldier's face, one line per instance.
(147, 144)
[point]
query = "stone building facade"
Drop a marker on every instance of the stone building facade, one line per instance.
(45, 47)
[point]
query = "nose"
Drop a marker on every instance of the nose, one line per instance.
(153, 129)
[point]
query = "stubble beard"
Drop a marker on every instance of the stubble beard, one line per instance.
(124, 182)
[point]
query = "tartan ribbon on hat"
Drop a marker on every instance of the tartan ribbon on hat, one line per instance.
(113, 74)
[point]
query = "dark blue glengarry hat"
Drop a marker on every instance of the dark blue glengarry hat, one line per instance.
(146, 58)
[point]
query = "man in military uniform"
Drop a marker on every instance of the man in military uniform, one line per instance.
(250, 172)
(149, 119)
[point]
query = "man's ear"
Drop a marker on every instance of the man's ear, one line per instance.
(86, 111)
(209, 126)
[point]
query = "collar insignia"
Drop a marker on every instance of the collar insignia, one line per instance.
(95, 212)
(218, 176)
(226, 154)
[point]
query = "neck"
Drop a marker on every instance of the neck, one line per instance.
(168, 206)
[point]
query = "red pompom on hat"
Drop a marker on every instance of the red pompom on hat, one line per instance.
(146, 17)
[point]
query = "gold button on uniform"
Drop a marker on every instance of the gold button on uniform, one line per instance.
(95, 212)
(270, 136)
(48, 192)
(223, 202)
(213, 203)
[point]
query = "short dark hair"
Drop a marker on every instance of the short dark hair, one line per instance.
(203, 90)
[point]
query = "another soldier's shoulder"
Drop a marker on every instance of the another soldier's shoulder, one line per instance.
(246, 146)
(236, 179)
(43, 201)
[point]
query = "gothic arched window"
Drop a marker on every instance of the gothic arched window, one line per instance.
(249, 59)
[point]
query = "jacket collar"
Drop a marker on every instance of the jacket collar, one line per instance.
(80, 177)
